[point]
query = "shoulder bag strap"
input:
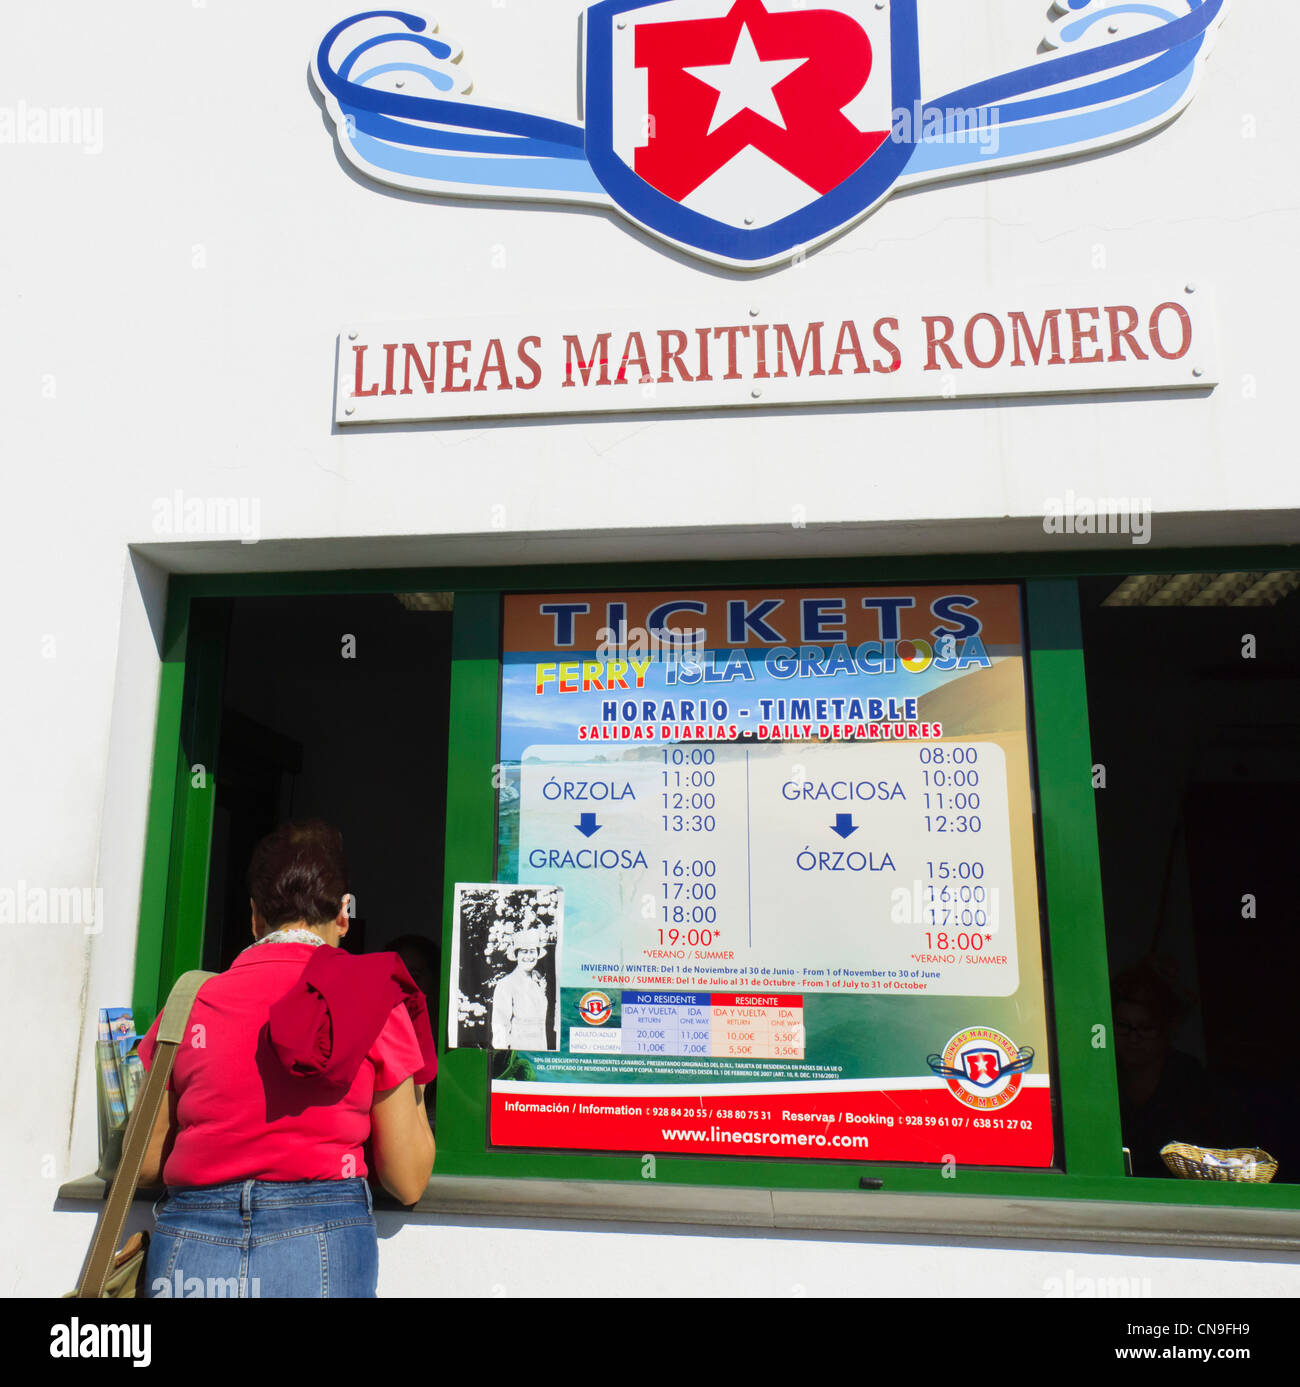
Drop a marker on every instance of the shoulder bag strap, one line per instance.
(139, 1128)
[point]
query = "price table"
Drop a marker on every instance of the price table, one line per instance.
(757, 1026)
(727, 1024)
(666, 1023)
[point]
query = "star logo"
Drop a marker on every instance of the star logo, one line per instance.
(773, 81)
(746, 83)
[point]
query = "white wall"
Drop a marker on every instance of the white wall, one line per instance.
(170, 306)
(509, 1259)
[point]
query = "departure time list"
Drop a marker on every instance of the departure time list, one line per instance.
(812, 867)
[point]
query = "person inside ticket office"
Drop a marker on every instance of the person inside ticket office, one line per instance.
(423, 962)
(1165, 1094)
(519, 1001)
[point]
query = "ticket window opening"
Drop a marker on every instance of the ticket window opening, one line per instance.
(1192, 702)
(336, 708)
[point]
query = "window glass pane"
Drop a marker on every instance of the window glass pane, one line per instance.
(1194, 704)
(335, 708)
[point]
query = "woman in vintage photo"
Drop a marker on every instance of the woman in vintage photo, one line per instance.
(519, 1000)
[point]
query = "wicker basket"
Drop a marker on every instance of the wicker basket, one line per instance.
(1243, 1163)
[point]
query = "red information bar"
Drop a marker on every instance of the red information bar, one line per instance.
(925, 1125)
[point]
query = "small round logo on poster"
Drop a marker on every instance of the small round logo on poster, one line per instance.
(983, 1068)
(595, 1008)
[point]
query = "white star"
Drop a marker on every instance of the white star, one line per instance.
(746, 82)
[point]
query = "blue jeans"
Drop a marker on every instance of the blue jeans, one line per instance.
(265, 1238)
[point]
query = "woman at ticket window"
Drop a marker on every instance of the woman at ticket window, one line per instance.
(295, 1057)
(519, 1003)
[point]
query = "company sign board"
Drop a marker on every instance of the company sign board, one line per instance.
(777, 347)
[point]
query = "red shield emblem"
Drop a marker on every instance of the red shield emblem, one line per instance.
(746, 128)
(982, 1066)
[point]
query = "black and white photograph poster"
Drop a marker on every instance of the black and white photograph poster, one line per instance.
(505, 960)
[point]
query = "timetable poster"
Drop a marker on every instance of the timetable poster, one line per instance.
(794, 831)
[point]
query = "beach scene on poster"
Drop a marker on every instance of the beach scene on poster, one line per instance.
(794, 833)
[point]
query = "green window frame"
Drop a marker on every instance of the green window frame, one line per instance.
(180, 818)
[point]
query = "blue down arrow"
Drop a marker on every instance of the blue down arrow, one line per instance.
(587, 825)
(843, 825)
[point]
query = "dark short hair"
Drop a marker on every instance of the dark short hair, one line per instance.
(1146, 985)
(299, 873)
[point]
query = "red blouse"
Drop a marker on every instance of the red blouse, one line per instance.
(240, 1114)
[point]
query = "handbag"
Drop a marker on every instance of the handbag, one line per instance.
(110, 1272)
